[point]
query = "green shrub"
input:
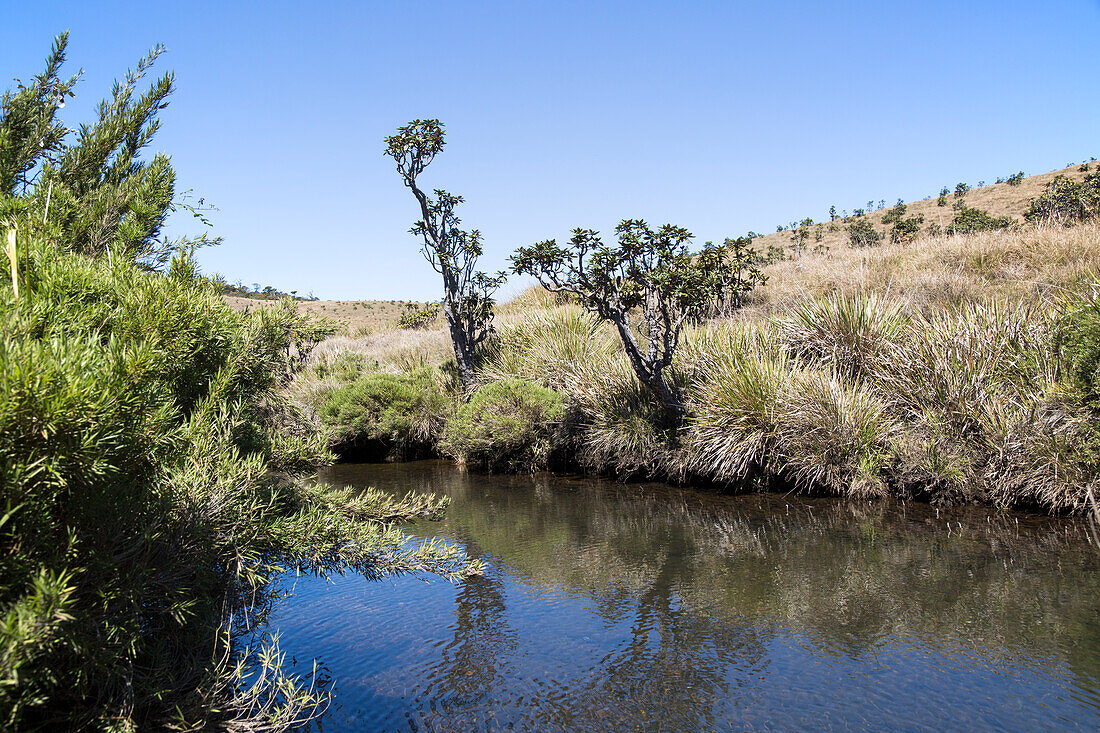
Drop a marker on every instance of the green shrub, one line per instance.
(405, 412)
(147, 478)
(511, 425)
(415, 317)
(1066, 201)
(861, 233)
(970, 220)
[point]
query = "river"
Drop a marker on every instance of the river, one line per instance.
(610, 607)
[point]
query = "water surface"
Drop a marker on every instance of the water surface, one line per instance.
(643, 607)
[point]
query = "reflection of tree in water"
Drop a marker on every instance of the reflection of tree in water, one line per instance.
(672, 672)
(696, 589)
(483, 640)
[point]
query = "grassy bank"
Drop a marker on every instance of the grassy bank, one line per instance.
(951, 368)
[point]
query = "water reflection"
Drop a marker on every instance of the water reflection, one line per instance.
(610, 607)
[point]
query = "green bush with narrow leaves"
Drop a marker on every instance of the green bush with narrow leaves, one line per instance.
(511, 425)
(405, 412)
(862, 233)
(152, 471)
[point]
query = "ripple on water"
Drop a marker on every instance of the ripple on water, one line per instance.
(607, 607)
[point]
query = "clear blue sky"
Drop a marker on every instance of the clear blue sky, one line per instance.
(718, 116)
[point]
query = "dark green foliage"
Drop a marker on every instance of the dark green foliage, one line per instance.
(1015, 179)
(734, 269)
(1066, 201)
(649, 272)
(143, 455)
(942, 200)
(418, 317)
(862, 233)
(406, 412)
(970, 220)
(774, 254)
(904, 229)
(30, 130)
(511, 425)
(960, 191)
(896, 212)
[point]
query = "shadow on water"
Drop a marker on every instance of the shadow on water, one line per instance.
(649, 607)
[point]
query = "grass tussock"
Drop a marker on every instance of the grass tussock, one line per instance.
(953, 369)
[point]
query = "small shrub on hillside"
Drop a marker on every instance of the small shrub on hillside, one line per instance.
(734, 268)
(1067, 201)
(799, 235)
(419, 318)
(942, 200)
(904, 229)
(774, 254)
(896, 212)
(861, 233)
(1015, 179)
(511, 425)
(969, 220)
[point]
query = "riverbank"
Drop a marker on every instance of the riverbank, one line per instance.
(952, 369)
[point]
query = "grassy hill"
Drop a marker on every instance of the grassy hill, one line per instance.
(355, 317)
(999, 199)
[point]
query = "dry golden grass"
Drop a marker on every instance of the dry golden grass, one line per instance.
(999, 199)
(942, 271)
(354, 317)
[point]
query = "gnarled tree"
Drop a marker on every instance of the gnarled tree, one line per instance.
(452, 252)
(650, 273)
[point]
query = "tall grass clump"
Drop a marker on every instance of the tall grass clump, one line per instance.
(546, 346)
(511, 425)
(834, 435)
(980, 389)
(848, 333)
(617, 421)
(734, 410)
(150, 494)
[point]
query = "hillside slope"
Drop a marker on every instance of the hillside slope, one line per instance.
(999, 199)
